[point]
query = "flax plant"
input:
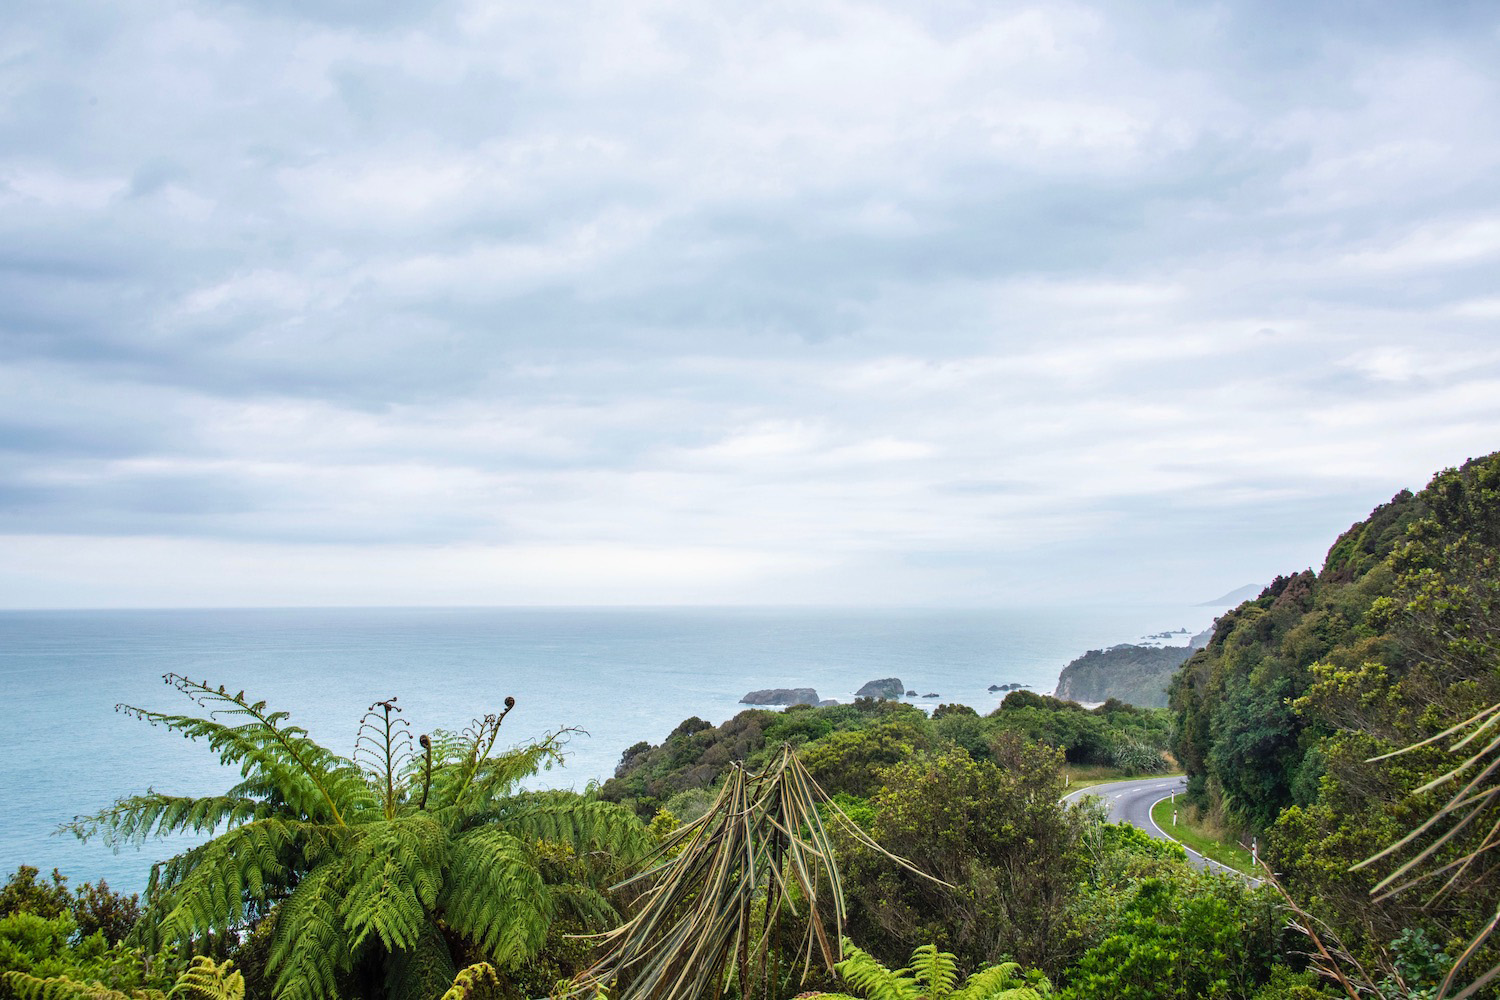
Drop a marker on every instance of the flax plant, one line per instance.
(1476, 799)
(712, 910)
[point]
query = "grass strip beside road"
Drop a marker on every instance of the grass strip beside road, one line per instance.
(1196, 839)
(1086, 776)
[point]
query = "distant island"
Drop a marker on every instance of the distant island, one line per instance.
(1128, 672)
(1236, 597)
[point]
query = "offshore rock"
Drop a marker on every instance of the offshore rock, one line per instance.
(886, 687)
(781, 696)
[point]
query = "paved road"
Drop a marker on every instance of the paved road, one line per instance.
(1131, 802)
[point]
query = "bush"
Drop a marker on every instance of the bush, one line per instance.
(1188, 935)
(982, 826)
(22, 893)
(1137, 758)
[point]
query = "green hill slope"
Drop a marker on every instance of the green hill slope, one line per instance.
(1394, 639)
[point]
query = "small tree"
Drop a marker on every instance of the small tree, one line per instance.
(980, 826)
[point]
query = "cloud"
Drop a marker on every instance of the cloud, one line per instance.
(813, 302)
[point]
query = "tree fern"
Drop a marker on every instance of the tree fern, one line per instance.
(360, 862)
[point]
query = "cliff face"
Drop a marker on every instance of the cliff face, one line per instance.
(1138, 675)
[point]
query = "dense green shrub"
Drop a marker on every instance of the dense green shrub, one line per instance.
(845, 746)
(1086, 736)
(854, 760)
(47, 931)
(981, 826)
(22, 893)
(47, 947)
(1183, 937)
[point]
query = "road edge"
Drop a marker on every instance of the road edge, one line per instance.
(1210, 863)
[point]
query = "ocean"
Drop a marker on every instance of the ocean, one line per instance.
(617, 675)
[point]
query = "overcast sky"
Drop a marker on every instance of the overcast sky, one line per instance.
(376, 302)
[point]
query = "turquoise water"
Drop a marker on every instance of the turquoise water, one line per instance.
(622, 675)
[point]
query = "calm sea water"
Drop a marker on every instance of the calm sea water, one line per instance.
(621, 675)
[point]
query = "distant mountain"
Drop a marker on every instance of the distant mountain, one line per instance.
(1236, 597)
(1135, 674)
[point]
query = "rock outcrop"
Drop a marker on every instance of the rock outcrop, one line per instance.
(781, 696)
(886, 687)
(1135, 674)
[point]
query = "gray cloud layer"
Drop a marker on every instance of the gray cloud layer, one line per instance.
(334, 302)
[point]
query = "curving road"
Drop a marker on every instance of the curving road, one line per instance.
(1131, 802)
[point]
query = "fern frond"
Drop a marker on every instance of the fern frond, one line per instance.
(29, 987)
(309, 948)
(1001, 982)
(477, 786)
(207, 888)
(133, 819)
(395, 872)
(313, 781)
(421, 972)
(587, 824)
(495, 896)
(872, 979)
(205, 980)
(466, 755)
(470, 979)
(935, 971)
(588, 906)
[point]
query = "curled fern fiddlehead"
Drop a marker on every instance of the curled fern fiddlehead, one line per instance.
(384, 746)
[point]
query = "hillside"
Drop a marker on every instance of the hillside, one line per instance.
(847, 746)
(1135, 674)
(1285, 716)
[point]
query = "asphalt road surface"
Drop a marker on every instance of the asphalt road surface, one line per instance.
(1131, 802)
